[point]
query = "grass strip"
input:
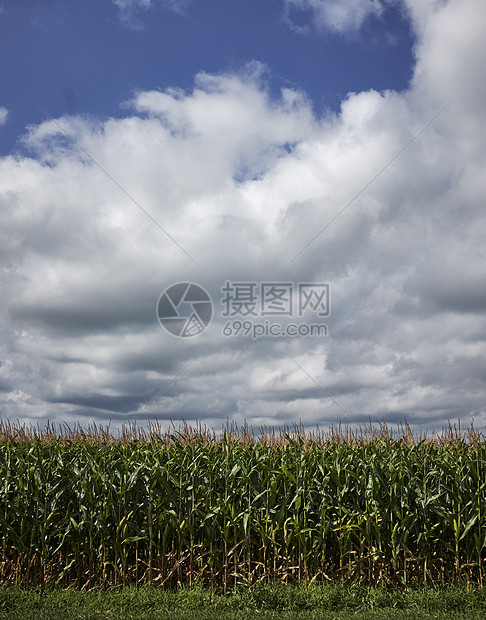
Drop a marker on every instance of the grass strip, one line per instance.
(271, 601)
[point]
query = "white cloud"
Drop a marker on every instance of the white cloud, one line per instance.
(337, 15)
(3, 115)
(128, 11)
(244, 181)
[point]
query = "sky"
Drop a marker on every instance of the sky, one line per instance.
(268, 211)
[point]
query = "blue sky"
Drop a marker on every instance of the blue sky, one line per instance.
(88, 57)
(277, 145)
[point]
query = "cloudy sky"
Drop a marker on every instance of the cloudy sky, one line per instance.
(253, 146)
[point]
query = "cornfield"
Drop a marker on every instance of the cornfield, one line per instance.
(187, 507)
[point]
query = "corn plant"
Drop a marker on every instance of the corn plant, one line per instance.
(184, 507)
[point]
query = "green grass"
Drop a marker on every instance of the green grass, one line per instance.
(273, 601)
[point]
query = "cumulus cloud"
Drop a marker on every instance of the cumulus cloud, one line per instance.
(3, 115)
(334, 15)
(243, 180)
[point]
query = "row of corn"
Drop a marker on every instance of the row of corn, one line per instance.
(190, 508)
